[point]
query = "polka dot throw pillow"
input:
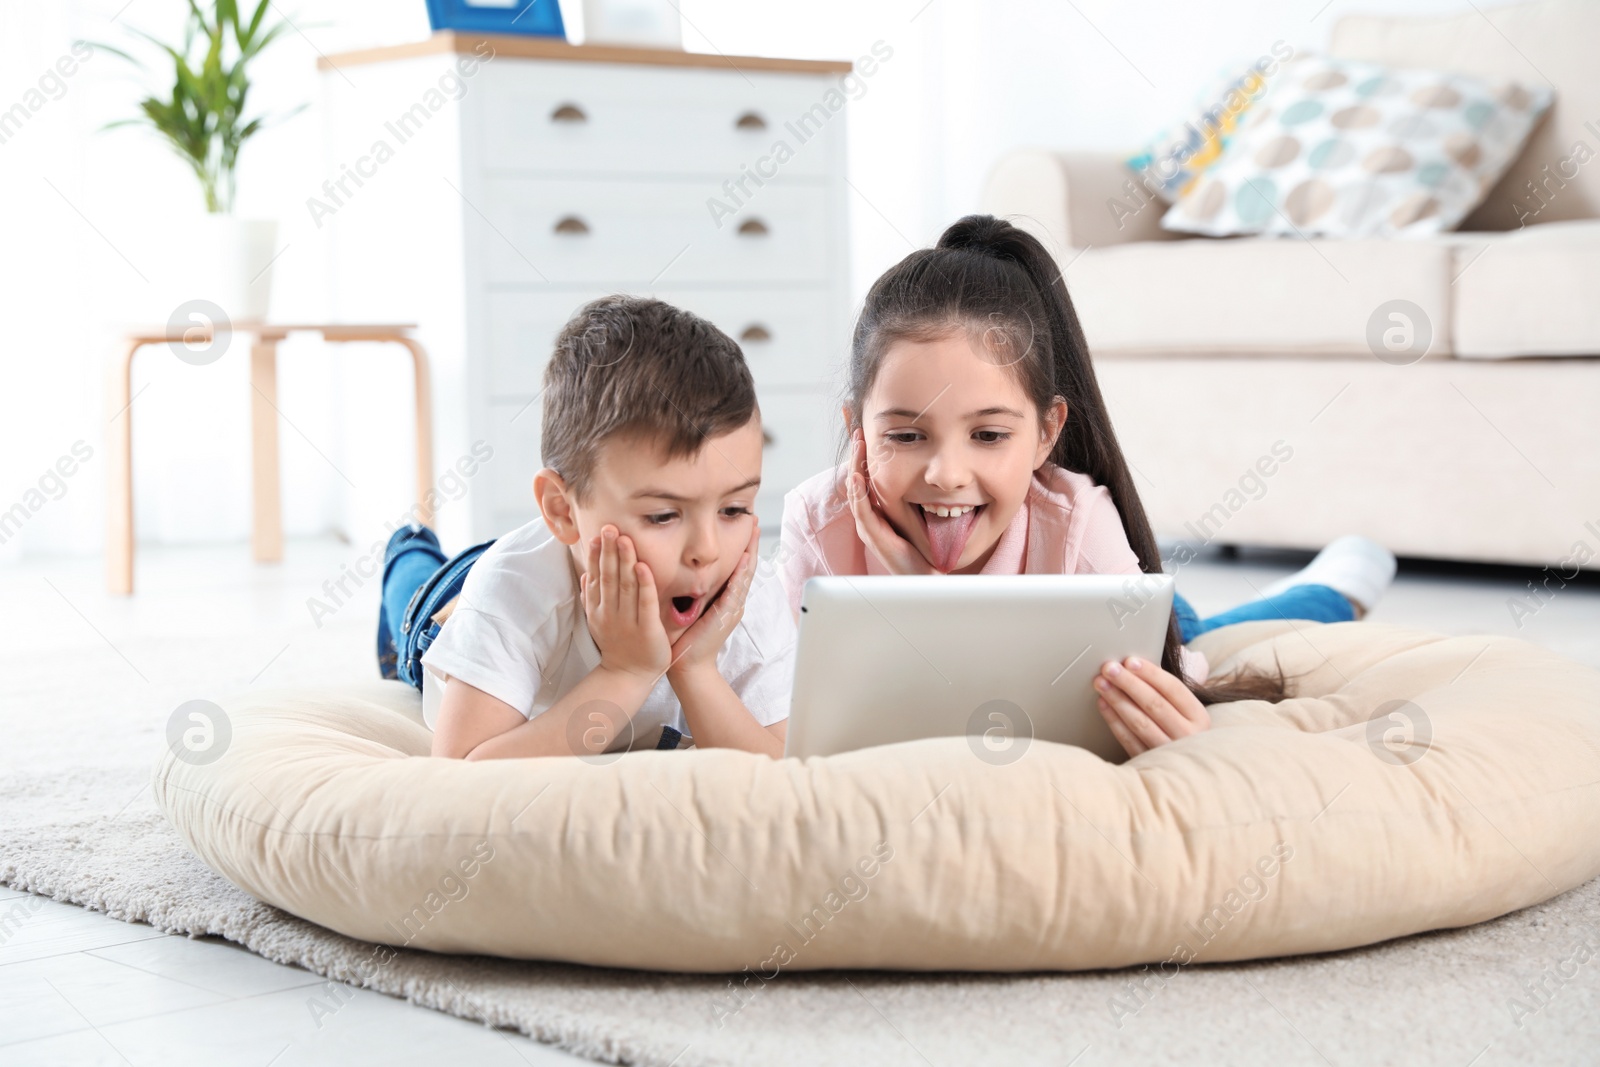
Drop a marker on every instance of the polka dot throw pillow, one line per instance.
(1338, 148)
(1177, 158)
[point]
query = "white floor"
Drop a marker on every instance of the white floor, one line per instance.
(79, 988)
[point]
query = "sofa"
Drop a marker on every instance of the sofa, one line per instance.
(1241, 372)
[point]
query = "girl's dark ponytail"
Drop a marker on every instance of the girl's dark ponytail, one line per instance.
(985, 270)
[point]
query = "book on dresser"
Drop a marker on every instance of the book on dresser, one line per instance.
(486, 187)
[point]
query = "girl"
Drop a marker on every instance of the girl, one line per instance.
(979, 443)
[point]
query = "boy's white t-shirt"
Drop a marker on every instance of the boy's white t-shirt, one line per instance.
(520, 634)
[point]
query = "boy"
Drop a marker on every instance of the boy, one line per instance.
(631, 615)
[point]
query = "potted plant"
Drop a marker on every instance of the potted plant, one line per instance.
(202, 117)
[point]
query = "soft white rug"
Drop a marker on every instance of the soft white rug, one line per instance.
(83, 722)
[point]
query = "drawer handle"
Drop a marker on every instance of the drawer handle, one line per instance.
(756, 332)
(750, 120)
(753, 228)
(568, 113)
(571, 224)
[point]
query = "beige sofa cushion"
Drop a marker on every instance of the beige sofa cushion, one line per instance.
(1419, 783)
(1530, 292)
(1273, 297)
(1547, 43)
(1483, 460)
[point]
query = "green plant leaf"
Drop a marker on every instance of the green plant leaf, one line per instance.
(273, 32)
(119, 53)
(199, 17)
(255, 24)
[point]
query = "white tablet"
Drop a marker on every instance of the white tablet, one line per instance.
(1003, 660)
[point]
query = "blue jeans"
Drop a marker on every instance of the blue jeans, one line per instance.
(1315, 603)
(417, 582)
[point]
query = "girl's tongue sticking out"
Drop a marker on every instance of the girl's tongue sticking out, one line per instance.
(948, 534)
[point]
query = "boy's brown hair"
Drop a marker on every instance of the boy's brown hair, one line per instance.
(634, 366)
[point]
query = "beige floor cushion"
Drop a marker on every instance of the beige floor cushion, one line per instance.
(1420, 782)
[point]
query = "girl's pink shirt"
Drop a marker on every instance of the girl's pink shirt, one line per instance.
(1066, 525)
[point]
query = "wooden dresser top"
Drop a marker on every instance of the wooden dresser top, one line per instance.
(524, 47)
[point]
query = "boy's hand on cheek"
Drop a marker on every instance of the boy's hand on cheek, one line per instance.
(698, 646)
(897, 555)
(619, 596)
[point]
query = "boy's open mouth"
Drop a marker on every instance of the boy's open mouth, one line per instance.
(684, 609)
(948, 532)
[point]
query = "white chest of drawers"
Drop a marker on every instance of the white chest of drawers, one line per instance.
(485, 188)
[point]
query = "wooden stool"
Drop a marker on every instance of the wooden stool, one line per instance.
(266, 536)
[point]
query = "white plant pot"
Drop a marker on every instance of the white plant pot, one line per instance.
(225, 261)
(641, 23)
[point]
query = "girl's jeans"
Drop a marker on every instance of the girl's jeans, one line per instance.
(1317, 603)
(418, 580)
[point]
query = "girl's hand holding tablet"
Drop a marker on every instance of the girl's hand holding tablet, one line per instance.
(1146, 706)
